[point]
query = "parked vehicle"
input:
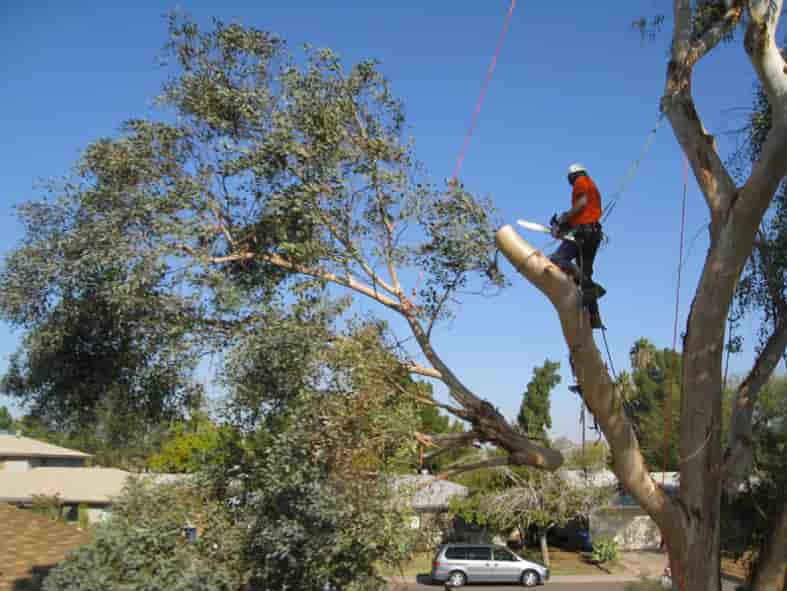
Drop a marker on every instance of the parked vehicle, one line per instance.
(458, 564)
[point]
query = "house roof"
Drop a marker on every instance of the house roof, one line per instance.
(13, 446)
(30, 545)
(429, 492)
(95, 486)
(73, 485)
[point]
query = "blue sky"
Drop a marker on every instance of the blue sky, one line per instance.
(573, 84)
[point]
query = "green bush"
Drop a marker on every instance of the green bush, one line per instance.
(143, 546)
(83, 517)
(48, 506)
(605, 551)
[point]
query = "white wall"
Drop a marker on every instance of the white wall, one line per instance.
(631, 528)
(15, 465)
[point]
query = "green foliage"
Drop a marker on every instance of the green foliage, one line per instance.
(594, 457)
(216, 230)
(750, 516)
(47, 506)
(143, 545)
(605, 551)
(656, 376)
(534, 417)
(188, 447)
(82, 516)
(7, 422)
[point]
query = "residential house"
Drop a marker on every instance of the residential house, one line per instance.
(429, 498)
(19, 454)
(93, 488)
(622, 519)
(31, 468)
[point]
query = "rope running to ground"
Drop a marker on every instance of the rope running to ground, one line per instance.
(668, 409)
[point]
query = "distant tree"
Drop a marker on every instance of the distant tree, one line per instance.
(655, 377)
(542, 500)
(188, 447)
(6, 420)
(593, 457)
(534, 417)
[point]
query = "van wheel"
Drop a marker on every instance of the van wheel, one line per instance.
(457, 579)
(530, 578)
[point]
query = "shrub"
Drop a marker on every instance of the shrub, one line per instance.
(48, 506)
(83, 516)
(605, 551)
(143, 546)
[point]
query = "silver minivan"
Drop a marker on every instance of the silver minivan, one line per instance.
(457, 564)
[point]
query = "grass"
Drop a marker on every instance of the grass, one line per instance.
(562, 563)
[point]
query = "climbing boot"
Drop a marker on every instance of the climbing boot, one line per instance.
(576, 389)
(595, 319)
(591, 292)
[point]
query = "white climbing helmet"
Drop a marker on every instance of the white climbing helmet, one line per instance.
(576, 167)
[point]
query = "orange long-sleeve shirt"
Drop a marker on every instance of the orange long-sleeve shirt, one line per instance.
(592, 211)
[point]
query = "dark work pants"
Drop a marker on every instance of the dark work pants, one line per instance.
(588, 238)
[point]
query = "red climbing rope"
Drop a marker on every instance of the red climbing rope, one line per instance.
(477, 110)
(668, 406)
(482, 95)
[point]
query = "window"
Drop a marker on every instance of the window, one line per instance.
(456, 553)
(479, 553)
(504, 555)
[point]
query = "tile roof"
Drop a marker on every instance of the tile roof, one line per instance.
(30, 545)
(24, 447)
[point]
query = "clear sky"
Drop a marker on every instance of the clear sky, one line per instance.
(573, 83)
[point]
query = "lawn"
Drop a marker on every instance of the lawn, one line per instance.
(562, 563)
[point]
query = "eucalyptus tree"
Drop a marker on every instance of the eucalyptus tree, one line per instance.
(690, 521)
(274, 179)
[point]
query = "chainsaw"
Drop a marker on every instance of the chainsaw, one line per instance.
(555, 229)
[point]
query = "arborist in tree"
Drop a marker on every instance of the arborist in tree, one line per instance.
(582, 221)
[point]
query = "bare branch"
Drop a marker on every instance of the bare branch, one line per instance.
(486, 418)
(279, 261)
(428, 372)
(738, 456)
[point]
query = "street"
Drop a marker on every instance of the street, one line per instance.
(602, 586)
(559, 584)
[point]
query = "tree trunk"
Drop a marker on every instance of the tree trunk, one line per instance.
(542, 540)
(770, 571)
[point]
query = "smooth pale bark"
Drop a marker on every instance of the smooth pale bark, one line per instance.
(735, 216)
(599, 392)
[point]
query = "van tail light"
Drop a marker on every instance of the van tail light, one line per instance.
(435, 564)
